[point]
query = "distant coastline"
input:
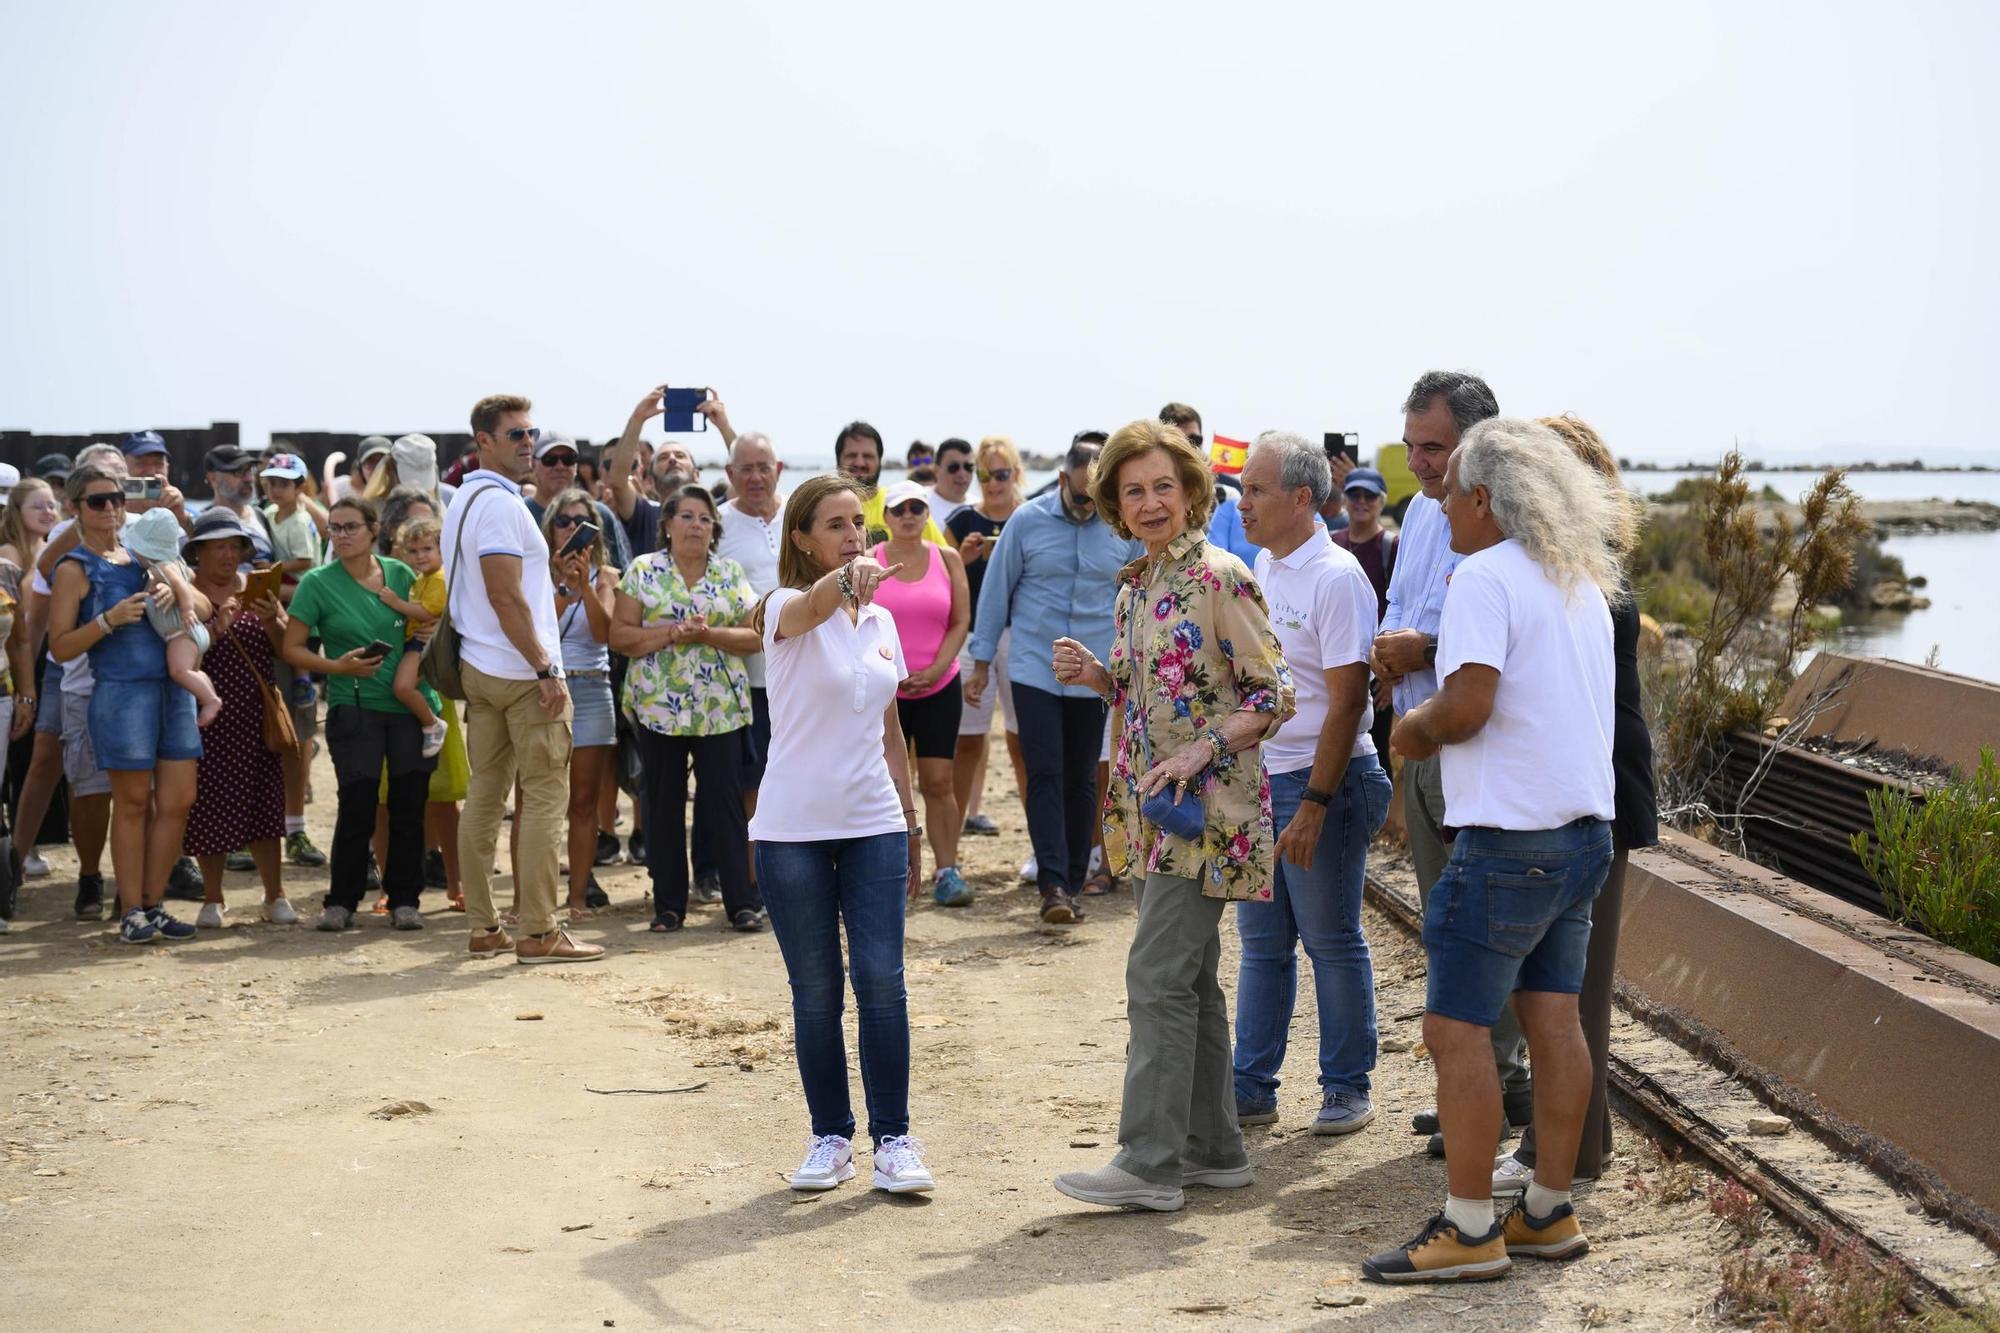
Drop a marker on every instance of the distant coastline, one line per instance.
(1906, 465)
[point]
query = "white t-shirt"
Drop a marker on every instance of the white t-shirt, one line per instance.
(1544, 756)
(501, 525)
(752, 542)
(827, 777)
(941, 508)
(1323, 612)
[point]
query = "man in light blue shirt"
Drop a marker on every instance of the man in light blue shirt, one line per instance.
(1054, 574)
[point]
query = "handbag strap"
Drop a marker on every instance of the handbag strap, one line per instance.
(458, 540)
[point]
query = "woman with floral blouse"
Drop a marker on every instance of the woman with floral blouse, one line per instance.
(682, 616)
(1197, 678)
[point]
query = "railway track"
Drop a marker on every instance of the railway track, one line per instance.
(1689, 1133)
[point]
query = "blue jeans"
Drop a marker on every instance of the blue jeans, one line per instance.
(1512, 912)
(1320, 908)
(811, 889)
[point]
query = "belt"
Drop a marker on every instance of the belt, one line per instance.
(580, 675)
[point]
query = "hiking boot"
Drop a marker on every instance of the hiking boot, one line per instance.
(1557, 1236)
(829, 1160)
(1343, 1112)
(1219, 1177)
(1059, 909)
(406, 918)
(1440, 1254)
(299, 850)
(950, 889)
(493, 941)
(184, 882)
(335, 918)
(555, 947)
(899, 1166)
(239, 861)
(1113, 1187)
(607, 848)
(169, 927)
(707, 888)
(1255, 1113)
(90, 897)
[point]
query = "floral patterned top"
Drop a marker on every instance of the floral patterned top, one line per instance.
(688, 689)
(1204, 639)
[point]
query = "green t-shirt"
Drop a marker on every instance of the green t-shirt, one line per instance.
(295, 538)
(345, 616)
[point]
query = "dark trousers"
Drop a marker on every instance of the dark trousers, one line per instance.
(718, 813)
(1594, 1007)
(1060, 741)
(362, 742)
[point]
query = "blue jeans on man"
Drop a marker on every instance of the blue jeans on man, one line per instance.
(1320, 908)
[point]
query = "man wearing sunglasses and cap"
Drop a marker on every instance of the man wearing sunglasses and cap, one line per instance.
(556, 457)
(146, 457)
(232, 480)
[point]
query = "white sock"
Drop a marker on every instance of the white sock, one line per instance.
(1472, 1217)
(1541, 1201)
(294, 824)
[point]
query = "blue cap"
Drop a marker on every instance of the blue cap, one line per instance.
(1367, 478)
(140, 443)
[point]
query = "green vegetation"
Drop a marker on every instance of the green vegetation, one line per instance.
(1938, 861)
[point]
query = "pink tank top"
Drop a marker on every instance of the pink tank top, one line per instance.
(922, 612)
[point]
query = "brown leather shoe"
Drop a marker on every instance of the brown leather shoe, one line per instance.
(1059, 909)
(496, 940)
(555, 947)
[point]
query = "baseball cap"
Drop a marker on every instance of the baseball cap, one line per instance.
(140, 443)
(372, 447)
(555, 439)
(226, 458)
(52, 467)
(902, 492)
(289, 466)
(10, 476)
(1367, 479)
(416, 460)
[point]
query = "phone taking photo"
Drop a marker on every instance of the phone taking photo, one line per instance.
(678, 411)
(581, 539)
(1339, 442)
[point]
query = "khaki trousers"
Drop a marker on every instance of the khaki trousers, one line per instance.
(508, 735)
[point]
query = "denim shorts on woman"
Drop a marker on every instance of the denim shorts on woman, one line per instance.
(1512, 912)
(136, 723)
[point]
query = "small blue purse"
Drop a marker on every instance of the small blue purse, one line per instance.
(1178, 814)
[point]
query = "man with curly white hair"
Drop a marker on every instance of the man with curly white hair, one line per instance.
(1522, 723)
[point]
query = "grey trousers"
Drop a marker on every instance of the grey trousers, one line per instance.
(1423, 814)
(1180, 1098)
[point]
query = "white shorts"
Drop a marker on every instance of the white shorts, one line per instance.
(979, 721)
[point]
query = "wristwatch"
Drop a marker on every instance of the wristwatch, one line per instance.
(552, 671)
(1430, 652)
(1317, 797)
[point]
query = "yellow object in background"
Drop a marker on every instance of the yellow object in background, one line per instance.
(1393, 462)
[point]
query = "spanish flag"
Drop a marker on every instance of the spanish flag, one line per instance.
(1227, 456)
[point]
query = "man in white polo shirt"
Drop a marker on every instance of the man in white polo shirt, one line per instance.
(517, 710)
(1523, 724)
(1328, 796)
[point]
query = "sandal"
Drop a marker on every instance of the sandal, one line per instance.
(580, 913)
(665, 922)
(381, 907)
(1101, 883)
(454, 900)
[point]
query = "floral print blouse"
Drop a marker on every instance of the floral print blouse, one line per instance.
(1205, 643)
(688, 689)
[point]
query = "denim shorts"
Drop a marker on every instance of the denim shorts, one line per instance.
(136, 723)
(1512, 912)
(48, 713)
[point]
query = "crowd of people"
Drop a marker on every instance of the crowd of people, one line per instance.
(1202, 681)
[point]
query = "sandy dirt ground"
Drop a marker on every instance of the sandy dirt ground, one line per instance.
(204, 1136)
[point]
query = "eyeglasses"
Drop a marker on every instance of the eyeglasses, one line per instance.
(956, 468)
(1003, 475)
(568, 520)
(753, 469)
(909, 508)
(556, 458)
(520, 433)
(106, 500)
(1358, 496)
(346, 529)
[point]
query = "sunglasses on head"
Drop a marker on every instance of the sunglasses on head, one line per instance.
(909, 508)
(520, 433)
(1003, 475)
(106, 500)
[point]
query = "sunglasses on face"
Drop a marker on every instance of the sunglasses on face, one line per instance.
(558, 459)
(106, 500)
(1360, 497)
(1194, 438)
(956, 468)
(909, 509)
(1003, 475)
(568, 520)
(346, 529)
(921, 460)
(520, 433)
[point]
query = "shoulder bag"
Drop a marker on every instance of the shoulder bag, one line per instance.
(280, 737)
(439, 667)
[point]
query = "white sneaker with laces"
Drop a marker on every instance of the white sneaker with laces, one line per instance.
(1511, 1175)
(1030, 872)
(210, 917)
(34, 867)
(899, 1166)
(829, 1160)
(434, 736)
(279, 912)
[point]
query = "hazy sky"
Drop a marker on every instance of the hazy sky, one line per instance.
(1747, 220)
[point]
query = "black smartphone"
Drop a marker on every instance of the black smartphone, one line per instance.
(376, 649)
(580, 539)
(1347, 442)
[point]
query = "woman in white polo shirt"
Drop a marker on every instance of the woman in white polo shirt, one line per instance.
(835, 830)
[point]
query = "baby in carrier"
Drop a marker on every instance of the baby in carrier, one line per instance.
(154, 539)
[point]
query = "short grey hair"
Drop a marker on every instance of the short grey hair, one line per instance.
(1467, 395)
(107, 456)
(744, 437)
(1571, 519)
(1300, 463)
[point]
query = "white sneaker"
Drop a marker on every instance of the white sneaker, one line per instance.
(1030, 872)
(210, 917)
(1511, 1175)
(829, 1160)
(4, 927)
(34, 867)
(1096, 861)
(434, 736)
(899, 1166)
(281, 913)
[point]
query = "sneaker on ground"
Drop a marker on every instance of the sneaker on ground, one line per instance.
(1252, 1113)
(280, 912)
(406, 918)
(1511, 1175)
(1440, 1254)
(950, 888)
(239, 861)
(1219, 1177)
(138, 928)
(34, 867)
(1343, 1112)
(899, 1166)
(607, 848)
(982, 826)
(594, 894)
(299, 850)
(1557, 1236)
(1112, 1187)
(1030, 872)
(184, 882)
(434, 736)
(169, 927)
(555, 947)
(829, 1160)
(90, 897)
(707, 887)
(335, 918)
(1425, 1121)
(210, 917)
(635, 847)
(1096, 861)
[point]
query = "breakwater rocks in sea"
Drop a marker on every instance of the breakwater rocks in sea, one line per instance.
(1893, 518)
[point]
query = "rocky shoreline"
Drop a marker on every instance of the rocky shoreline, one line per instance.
(1891, 518)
